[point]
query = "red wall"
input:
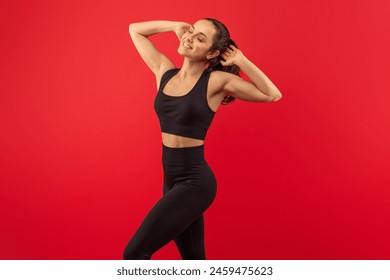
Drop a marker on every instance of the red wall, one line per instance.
(306, 177)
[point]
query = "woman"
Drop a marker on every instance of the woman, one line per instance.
(187, 99)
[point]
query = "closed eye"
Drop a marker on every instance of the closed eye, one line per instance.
(199, 39)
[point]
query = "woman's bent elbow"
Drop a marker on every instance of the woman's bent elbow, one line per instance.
(275, 97)
(131, 27)
(278, 98)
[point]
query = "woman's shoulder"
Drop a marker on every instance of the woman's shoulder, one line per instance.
(219, 74)
(217, 80)
(165, 73)
(219, 77)
(168, 71)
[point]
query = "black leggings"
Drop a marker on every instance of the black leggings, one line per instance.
(189, 189)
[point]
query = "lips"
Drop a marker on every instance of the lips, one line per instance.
(186, 45)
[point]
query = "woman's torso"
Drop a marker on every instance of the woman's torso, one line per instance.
(176, 88)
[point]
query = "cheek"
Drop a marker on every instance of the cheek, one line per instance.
(203, 47)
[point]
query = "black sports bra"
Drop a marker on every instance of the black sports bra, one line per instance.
(186, 115)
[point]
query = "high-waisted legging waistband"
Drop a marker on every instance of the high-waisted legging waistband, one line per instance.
(182, 156)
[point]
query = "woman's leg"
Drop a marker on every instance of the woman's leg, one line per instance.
(189, 189)
(191, 241)
(173, 213)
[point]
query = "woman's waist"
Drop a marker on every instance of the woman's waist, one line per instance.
(182, 156)
(177, 141)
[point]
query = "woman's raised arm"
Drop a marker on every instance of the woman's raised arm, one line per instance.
(260, 89)
(140, 31)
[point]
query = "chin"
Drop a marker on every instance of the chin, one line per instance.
(181, 50)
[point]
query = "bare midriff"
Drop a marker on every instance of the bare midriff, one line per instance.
(176, 141)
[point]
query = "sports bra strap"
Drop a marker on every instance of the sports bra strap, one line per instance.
(167, 76)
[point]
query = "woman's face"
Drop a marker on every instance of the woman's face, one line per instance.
(195, 44)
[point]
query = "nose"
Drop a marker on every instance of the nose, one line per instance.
(190, 37)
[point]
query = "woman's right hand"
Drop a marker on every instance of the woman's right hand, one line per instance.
(181, 28)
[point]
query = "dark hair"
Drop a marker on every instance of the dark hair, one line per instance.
(221, 42)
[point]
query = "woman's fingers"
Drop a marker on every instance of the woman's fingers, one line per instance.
(228, 55)
(233, 48)
(229, 50)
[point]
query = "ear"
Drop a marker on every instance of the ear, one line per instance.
(212, 54)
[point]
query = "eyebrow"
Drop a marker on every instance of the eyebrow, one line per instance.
(199, 32)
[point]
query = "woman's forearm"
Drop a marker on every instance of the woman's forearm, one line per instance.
(258, 78)
(148, 28)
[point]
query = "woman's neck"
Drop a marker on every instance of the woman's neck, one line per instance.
(191, 69)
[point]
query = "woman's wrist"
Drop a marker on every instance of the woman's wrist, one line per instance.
(181, 27)
(165, 26)
(149, 28)
(242, 62)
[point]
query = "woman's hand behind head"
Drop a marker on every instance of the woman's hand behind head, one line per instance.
(231, 56)
(181, 28)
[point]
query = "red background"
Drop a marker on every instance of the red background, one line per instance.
(306, 177)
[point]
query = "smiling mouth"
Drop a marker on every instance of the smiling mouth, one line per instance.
(186, 45)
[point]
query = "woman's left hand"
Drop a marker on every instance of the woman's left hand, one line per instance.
(231, 56)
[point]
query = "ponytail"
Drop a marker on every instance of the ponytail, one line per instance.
(221, 42)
